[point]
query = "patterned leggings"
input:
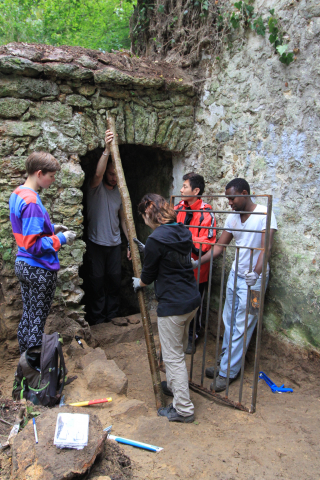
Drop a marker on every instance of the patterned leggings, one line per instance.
(38, 286)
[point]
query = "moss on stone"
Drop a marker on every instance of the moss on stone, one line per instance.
(162, 104)
(77, 101)
(102, 102)
(141, 122)
(150, 138)
(70, 175)
(13, 107)
(55, 111)
(22, 87)
(129, 123)
(20, 66)
(162, 130)
(87, 90)
(179, 100)
(67, 71)
(20, 129)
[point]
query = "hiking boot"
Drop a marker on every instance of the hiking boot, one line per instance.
(173, 416)
(221, 383)
(189, 348)
(210, 371)
(166, 390)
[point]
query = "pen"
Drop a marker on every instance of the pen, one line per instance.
(35, 429)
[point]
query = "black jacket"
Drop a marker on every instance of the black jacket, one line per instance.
(167, 263)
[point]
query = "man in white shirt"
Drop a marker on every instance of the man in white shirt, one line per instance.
(237, 188)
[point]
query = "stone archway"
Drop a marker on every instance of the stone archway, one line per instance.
(146, 169)
(57, 100)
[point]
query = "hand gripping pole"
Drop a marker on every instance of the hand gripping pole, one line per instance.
(136, 263)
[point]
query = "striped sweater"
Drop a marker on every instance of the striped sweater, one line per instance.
(33, 231)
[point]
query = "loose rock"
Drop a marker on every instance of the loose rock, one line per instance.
(105, 374)
(45, 461)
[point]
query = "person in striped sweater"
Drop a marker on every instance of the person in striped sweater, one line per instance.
(38, 243)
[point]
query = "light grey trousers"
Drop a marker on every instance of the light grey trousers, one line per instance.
(173, 334)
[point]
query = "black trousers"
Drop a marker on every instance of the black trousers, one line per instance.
(202, 290)
(38, 286)
(104, 275)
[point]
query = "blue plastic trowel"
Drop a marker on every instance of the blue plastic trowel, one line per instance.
(145, 446)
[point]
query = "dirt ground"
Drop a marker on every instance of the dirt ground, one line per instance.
(281, 440)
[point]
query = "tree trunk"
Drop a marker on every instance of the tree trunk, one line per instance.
(127, 208)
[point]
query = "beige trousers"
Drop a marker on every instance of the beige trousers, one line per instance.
(173, 334)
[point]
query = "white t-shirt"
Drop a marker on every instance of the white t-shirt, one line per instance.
(248, 239)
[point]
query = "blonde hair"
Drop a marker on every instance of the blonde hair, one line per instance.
(156, 210)
(42, 161)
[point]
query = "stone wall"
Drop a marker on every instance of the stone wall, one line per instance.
(57, 100)
(260, 120)
(255, 118)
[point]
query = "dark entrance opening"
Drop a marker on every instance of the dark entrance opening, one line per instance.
(147, 170)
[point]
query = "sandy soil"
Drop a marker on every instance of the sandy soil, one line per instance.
(281, 440)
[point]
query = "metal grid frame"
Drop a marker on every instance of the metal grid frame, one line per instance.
(199, 387)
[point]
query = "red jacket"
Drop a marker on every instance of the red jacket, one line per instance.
(200, 219)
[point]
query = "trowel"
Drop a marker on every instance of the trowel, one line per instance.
(134, 443)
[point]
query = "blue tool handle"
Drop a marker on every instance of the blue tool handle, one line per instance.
(134, 444)
(273, 386)
(126, 441)
(276, 389)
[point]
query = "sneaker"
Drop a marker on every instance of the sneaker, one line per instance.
(221, 383)
(166, 390)
(189, 348)
(173, 416)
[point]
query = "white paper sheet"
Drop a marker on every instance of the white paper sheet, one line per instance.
(72, 430)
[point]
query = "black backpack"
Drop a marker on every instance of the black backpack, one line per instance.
(41, 372)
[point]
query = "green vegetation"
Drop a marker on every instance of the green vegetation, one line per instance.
(96, 24)
(245, 14)
(183, 29)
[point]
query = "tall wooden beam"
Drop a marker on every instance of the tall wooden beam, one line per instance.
(136, 263)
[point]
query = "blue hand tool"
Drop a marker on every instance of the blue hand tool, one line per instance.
(145, 446)
(272, 385)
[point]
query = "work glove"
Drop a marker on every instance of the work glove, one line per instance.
(70, 236)
(251, 278)
(141, 246)
(136, 284)
(60, 228)
(194, 263)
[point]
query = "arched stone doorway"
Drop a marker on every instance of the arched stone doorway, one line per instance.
(57, 100)
(146, 170)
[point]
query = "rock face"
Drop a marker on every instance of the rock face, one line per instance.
(259, 119)
(45, 461)
(64, 113)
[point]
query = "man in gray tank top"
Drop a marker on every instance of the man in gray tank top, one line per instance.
(105, 214)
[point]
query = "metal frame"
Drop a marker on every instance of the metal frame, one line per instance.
(199, 387)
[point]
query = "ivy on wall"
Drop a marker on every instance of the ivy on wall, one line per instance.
(181, 29)
(245, 16)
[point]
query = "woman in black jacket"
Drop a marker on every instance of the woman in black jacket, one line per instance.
(167, 263)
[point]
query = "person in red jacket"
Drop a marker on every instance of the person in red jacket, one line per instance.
(193, 184)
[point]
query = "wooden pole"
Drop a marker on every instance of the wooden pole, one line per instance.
(136, 263)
